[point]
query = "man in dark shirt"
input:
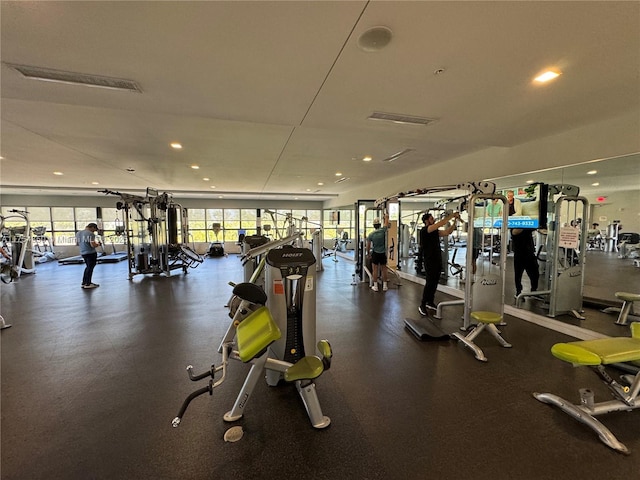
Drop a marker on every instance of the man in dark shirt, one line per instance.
(524, 258)
(432, 254)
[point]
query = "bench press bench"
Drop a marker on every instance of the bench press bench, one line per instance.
(596, 354)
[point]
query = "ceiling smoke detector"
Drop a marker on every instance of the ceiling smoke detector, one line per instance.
(375, 39)
(402, 119)
(75, 78)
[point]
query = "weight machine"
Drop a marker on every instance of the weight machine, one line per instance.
(274, 330)
(157, 229)
(17, 243)
(366, 211)
(562, 262)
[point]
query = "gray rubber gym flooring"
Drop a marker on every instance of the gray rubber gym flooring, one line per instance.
(91, 380)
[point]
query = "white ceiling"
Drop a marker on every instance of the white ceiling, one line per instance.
(271, 98)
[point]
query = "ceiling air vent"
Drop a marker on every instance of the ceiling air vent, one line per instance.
(74, 78)
(397, 155)
(343, 179)
(403, 119)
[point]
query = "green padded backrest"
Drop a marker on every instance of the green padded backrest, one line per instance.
(255, 333)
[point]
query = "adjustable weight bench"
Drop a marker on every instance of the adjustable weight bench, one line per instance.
(596, 354)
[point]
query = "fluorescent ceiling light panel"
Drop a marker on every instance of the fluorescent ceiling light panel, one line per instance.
(546, 76)
(402, 119)
(397, 155)
(75, 78)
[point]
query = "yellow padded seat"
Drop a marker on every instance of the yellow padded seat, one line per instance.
(628, 297)
(306, 368)
(486, 317)
(255, 333)
(601, 351)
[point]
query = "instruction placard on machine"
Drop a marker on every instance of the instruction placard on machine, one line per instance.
(569, 237)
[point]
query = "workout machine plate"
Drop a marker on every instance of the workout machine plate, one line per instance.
(425, 329)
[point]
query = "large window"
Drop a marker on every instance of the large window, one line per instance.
(64, 231)
(231, 224)
(197, 225)
(62, 223)
(339, 224)
(112, 218)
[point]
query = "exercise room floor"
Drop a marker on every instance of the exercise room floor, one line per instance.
(91, 380)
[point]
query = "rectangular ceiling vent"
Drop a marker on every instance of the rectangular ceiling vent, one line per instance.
(343, 179)
(74, 78)
(397, 155)
(402, 119)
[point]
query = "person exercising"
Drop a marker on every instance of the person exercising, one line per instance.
(87, 241)
(377, 252)
(430, 240)
(524, 258)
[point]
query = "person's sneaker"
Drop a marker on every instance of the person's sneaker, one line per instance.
(385, 287)
(431, 306)
(374, 287)
(95, 285)
(422, 310)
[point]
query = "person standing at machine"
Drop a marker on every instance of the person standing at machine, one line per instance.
(432, 255)
(87, 241)
(377, 252)
(524, 258)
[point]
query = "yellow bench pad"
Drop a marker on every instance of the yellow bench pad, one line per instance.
(486, 317)
(601, 351)
(255, 333)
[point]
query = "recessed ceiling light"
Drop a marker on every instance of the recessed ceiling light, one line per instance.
(308, 189)
(95, 183)
(592, 172)
(547, 76)
(367, 159)
(338, 174)
(595, 184)
(206, 179)
(320, 184)
(213, 186)
(529, 181)
(1, 158)
(58, 173)
(195, 167)
(176, 145)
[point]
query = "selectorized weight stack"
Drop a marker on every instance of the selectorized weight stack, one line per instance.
(290, 285)
(250, 242)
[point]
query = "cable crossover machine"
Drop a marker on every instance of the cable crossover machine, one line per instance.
(157, 229)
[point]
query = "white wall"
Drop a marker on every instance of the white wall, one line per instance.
(608, 138)
(623, 206)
